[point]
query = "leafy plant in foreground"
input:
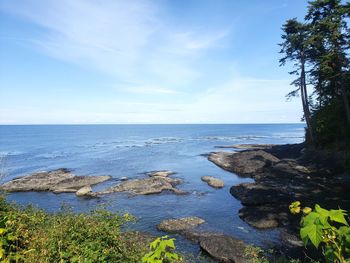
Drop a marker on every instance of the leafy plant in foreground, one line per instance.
(328, 228)
(161, 250)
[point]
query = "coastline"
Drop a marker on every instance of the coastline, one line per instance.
(283, 174)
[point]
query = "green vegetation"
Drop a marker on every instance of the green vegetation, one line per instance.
(319, 50)
(161, 250)
(32, 235)
(327, 228)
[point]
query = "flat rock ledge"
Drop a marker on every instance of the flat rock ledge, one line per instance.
(213, 182)
(146, 186)
(218, 246)
(161, 173)
(243, 163)
(283, 174)
(57, 181)
(247, 146)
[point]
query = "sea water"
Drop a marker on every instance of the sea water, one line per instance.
(133, 150)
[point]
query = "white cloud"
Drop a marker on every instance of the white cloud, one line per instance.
(130, 40)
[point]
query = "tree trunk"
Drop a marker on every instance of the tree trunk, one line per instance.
(305, 100)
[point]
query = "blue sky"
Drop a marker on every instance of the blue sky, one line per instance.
(160, 61)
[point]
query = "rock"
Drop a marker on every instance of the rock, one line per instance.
(289, 168)
(124, 178)
(85, 191)
(244, 163)
(145, 186)
(254, 194)
(180, 224)
(162, 173)
(246, 146)
(219, 246)
(263, 217)
(224, 248)
(57, 181)
(212, 181)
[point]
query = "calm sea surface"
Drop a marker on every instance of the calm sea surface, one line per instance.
(132, 150)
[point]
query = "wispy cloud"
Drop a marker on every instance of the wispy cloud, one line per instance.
(130, 40)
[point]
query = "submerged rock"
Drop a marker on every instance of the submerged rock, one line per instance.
(146, 186)
(213, 182)
(162, 173)
(57, 181)
(179, 225)
(243, 163)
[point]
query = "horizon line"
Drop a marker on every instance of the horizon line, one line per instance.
(76, 124)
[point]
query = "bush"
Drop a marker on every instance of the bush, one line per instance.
(32, 235)
(326, 228)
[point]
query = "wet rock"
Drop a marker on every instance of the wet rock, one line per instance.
(162, 173)
(217, 245)
(213, 182)
(146, 186)
(254, 194)
(264, 217)
(85, 191)
(289, 168)
(224, 248)
(123, 178)
(244, 163)
(57, 181)
(247, 146)
(180, 225)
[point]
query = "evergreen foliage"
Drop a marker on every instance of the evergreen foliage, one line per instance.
(319, 48)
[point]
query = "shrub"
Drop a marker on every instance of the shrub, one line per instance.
(161, 250)
(32, 235)
(326, 228)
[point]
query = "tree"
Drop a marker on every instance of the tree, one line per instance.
(330, 42)
(295, 48)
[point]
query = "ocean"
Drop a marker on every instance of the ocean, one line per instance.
(132, 150)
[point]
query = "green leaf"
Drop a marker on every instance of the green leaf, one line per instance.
(310, 218)
(313, 233)
(321, 211)
(338, 216)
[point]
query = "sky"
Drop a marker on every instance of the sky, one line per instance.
(141, 61)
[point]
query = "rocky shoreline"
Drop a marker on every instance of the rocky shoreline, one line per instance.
(283, 174)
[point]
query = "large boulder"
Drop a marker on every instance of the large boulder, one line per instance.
(57, 181)
(213, 182)
(245, 163)
(146, 186)
(179, 225)
(224, 248)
